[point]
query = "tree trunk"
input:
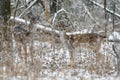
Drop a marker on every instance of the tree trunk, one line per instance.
(5, 11)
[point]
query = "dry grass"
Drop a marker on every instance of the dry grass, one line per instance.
(30, 59)
(45, 55)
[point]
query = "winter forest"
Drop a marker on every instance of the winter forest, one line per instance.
(59, 39)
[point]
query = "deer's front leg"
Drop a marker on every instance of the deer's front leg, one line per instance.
(68, 43)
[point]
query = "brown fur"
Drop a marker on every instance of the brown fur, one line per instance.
(92, 39)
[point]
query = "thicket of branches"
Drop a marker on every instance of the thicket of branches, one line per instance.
(31, 30)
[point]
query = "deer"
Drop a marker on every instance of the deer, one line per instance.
(20, 33)
(93, 40)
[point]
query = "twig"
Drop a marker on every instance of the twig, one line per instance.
(28, 7)
(113, 47)
(113, 16)
(118, 58)
(92, 18)
(55, 15)
(16, 10)
(117, 41)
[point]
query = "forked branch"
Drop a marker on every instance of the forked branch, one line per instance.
(108, 10)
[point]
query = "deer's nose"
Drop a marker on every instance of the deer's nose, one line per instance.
(19, 29)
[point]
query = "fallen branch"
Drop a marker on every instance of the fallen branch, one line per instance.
(50, 30)
(19, 20)
(44, 28)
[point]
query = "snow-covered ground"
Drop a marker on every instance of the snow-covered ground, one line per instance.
(52, 62)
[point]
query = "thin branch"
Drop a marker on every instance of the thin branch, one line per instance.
(16, 10)
(113, 47)
(92, 18)
(113, 16)
(108, 10)
(48, 29)
(89, 14)
(117, 41)
(28, 7)
(55, 15)
(45, 28)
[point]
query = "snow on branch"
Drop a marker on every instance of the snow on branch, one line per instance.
(93, 19)
(44, 28)
(55, 15)
(114, 37)
(101, 6)
(19, 20)
(28, 8)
